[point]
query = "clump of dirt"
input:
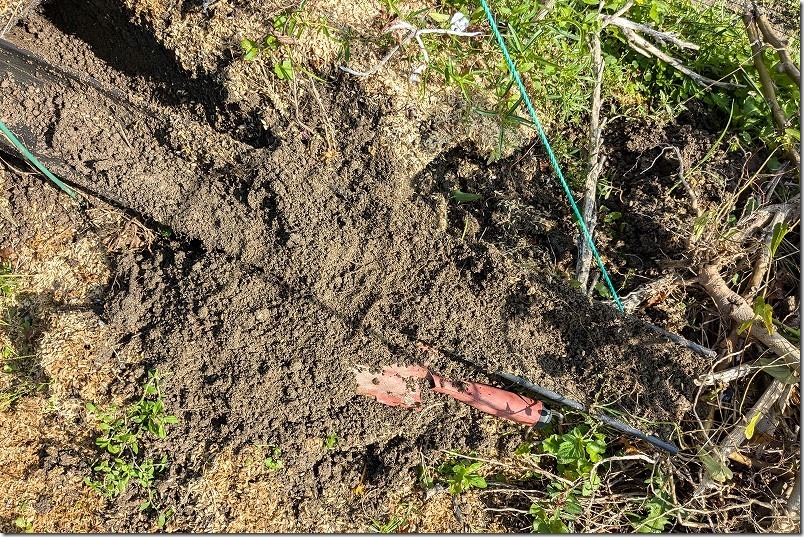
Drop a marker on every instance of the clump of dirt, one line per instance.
(281, 266)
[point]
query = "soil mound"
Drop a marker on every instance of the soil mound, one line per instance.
(280, 271)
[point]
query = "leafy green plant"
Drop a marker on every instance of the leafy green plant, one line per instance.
(461, 477)
(656, 508)
(656, 517)
(576, 452)
(330, 441)
(24, 524)
(779, 231)
(122, 432)
(715, 466)
(285, 29)
(762, 311)
(274, 461)
(553, 521)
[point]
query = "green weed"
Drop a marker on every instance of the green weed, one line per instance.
(122, 432)
(8, 281)
(551, 50)
(576, 453)
(285, 29)
(330, 441)
(393, 524)
(24, 523)
(274, 461)
(16, 344)
(461, 476)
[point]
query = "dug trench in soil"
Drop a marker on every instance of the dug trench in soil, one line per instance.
(287, 271)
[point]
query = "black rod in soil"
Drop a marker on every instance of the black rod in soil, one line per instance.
(608, 420)
(575, 405)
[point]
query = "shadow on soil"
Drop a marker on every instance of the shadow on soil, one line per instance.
(107, 27)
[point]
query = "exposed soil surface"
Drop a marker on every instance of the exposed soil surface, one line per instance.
(280, 267)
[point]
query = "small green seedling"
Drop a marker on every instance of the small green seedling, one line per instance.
(330, 441)
(461, 477)
(274, 461)
(25, 525)
(394, 523)
(121, 463)
(426, 477)
(163, 518)
(464, 197)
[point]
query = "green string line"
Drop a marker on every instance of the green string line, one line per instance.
(550, 153)
(33, 160)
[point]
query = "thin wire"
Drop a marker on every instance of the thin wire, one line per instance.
(550, 153)
(33, 160)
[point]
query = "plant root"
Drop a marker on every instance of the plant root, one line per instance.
(735, 307)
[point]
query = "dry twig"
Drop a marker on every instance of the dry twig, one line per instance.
(776, 391)
(763, 260)
(786, 65)
(595, 163)
(662, 37)
(759, 219)
(650, 290)
(642, 46)
(768, 91)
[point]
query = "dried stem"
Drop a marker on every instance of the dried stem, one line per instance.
(768, 91)
(759, 219)
(649, 290)
(763, 260)
(776, 391)
(727, 375)
(595, 165)
(787, 65)
(662, 37)
(642, 46)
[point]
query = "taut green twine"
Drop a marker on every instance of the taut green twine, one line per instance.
(35, 161)
(550, 154)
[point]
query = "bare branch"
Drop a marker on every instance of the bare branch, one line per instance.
(737, 309)
(787, 65)
(776, 391)
(661, 37)
(619, 13)
(763, 259)
(759, 219)
(595, 164)
(728, 375)
(768, 91)
(642, 46)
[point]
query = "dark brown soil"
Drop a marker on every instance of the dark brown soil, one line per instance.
(278, 272)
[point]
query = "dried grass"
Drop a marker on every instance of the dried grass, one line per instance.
(237, 493)
(47, 439)
(54, 499)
